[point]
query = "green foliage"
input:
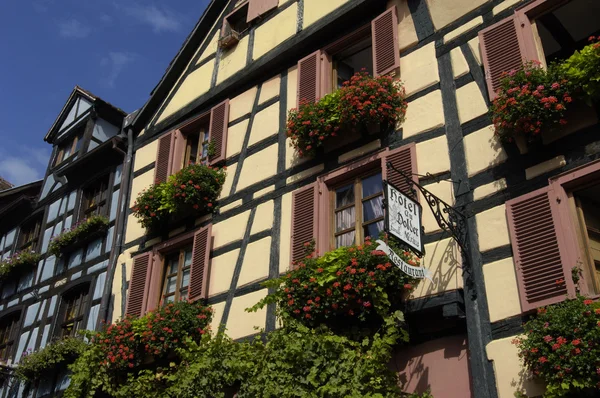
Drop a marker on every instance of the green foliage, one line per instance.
(22, 259)
(212, 148)
(349, 286)
(36, 365)
(362, 100)
(561, 346)
(529, 101)
(80, 232)
(192, 190)
(582, 69)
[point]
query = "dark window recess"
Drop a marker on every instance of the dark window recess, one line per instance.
(177, 275)
(8, 331)
(234, 26)
(356, 58)
(74, 307)
(196, 145)
(29, 235)
(95, 199)
(568, 27)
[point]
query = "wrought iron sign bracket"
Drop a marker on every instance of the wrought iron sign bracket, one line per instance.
(448, 218)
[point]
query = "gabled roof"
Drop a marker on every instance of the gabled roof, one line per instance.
(77, 92)
(29, 190)
(178, 64)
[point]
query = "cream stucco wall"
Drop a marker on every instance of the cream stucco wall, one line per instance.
(242, 104)
(275, 31)
(233, 60)
(292, 88)
(508, 369)
(444, 12)
(432, 156)
(470, 101)
(255, 266)
(263, 219)
(285, 242)
(317, 9)
(210, 49)
(221, 272)
(492, 228)
(419, 69)
(140, 183)
(459, 63)
(242, 323)
(443, 259)
(501, 289)
(424, 114)
(145, 155)
(270, 89)
(483, 150)
(258, 167)
(235, 137)
(266, 124)
(407, 34)
(226, 190)
(230, 229)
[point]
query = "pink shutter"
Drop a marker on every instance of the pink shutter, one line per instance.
(304, 219)
(386, 50)
(217, 133)
(199, 269)
(505, 46)
(539, 253)
(309, 78)
(404, 159)
(178, 152)
(162, 168)
(138, 285)
(256, 8)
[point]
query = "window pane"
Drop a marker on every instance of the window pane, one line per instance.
(345, 219)
(345, 239)
(184, 295)
(372, 185)
(171, 284)
(172, 266)
(185, 278)
(187, 258)
(373, 208)
(169, 299)
(373, 229)
(344, 196)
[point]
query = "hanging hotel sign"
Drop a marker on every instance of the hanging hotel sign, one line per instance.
(415, 272)
(403, 218)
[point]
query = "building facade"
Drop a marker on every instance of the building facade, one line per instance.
(529, 212)
(62, 293)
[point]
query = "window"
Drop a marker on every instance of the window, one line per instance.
(7, 242)
(8, 330)
(177, 275)
(74, 307)
(67, 148)
(567, 28)
(234, 26)
(373, 48)
(95, 198)
(30, 234)
(196, 145)
(587, 211)
(357, 210)
(355, 58)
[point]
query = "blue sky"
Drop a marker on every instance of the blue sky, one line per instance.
(117, 49)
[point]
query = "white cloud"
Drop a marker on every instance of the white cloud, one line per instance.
(115, 62)
(160, 19)
(73, 29)
(24, 166)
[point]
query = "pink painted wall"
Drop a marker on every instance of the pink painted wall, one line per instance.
(440, 365)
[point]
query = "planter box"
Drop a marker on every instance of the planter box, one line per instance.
(229, 40)
(82, 240)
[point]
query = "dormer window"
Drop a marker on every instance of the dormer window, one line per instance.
(95, 198)
(68, 148)
(234, 25)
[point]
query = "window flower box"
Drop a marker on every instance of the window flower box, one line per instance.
(83, 232)
(364, 105)
(19, 261)
(192, 191)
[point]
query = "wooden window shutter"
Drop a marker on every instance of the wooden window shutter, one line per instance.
(256, 8)
(504, 47)
(304, 218)
(384, 35)
(309, 78)
(539, 251)
(178, 151)
(217, 133)
(199, 269)
(138, 284)
(404, 159)
(162, 168)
